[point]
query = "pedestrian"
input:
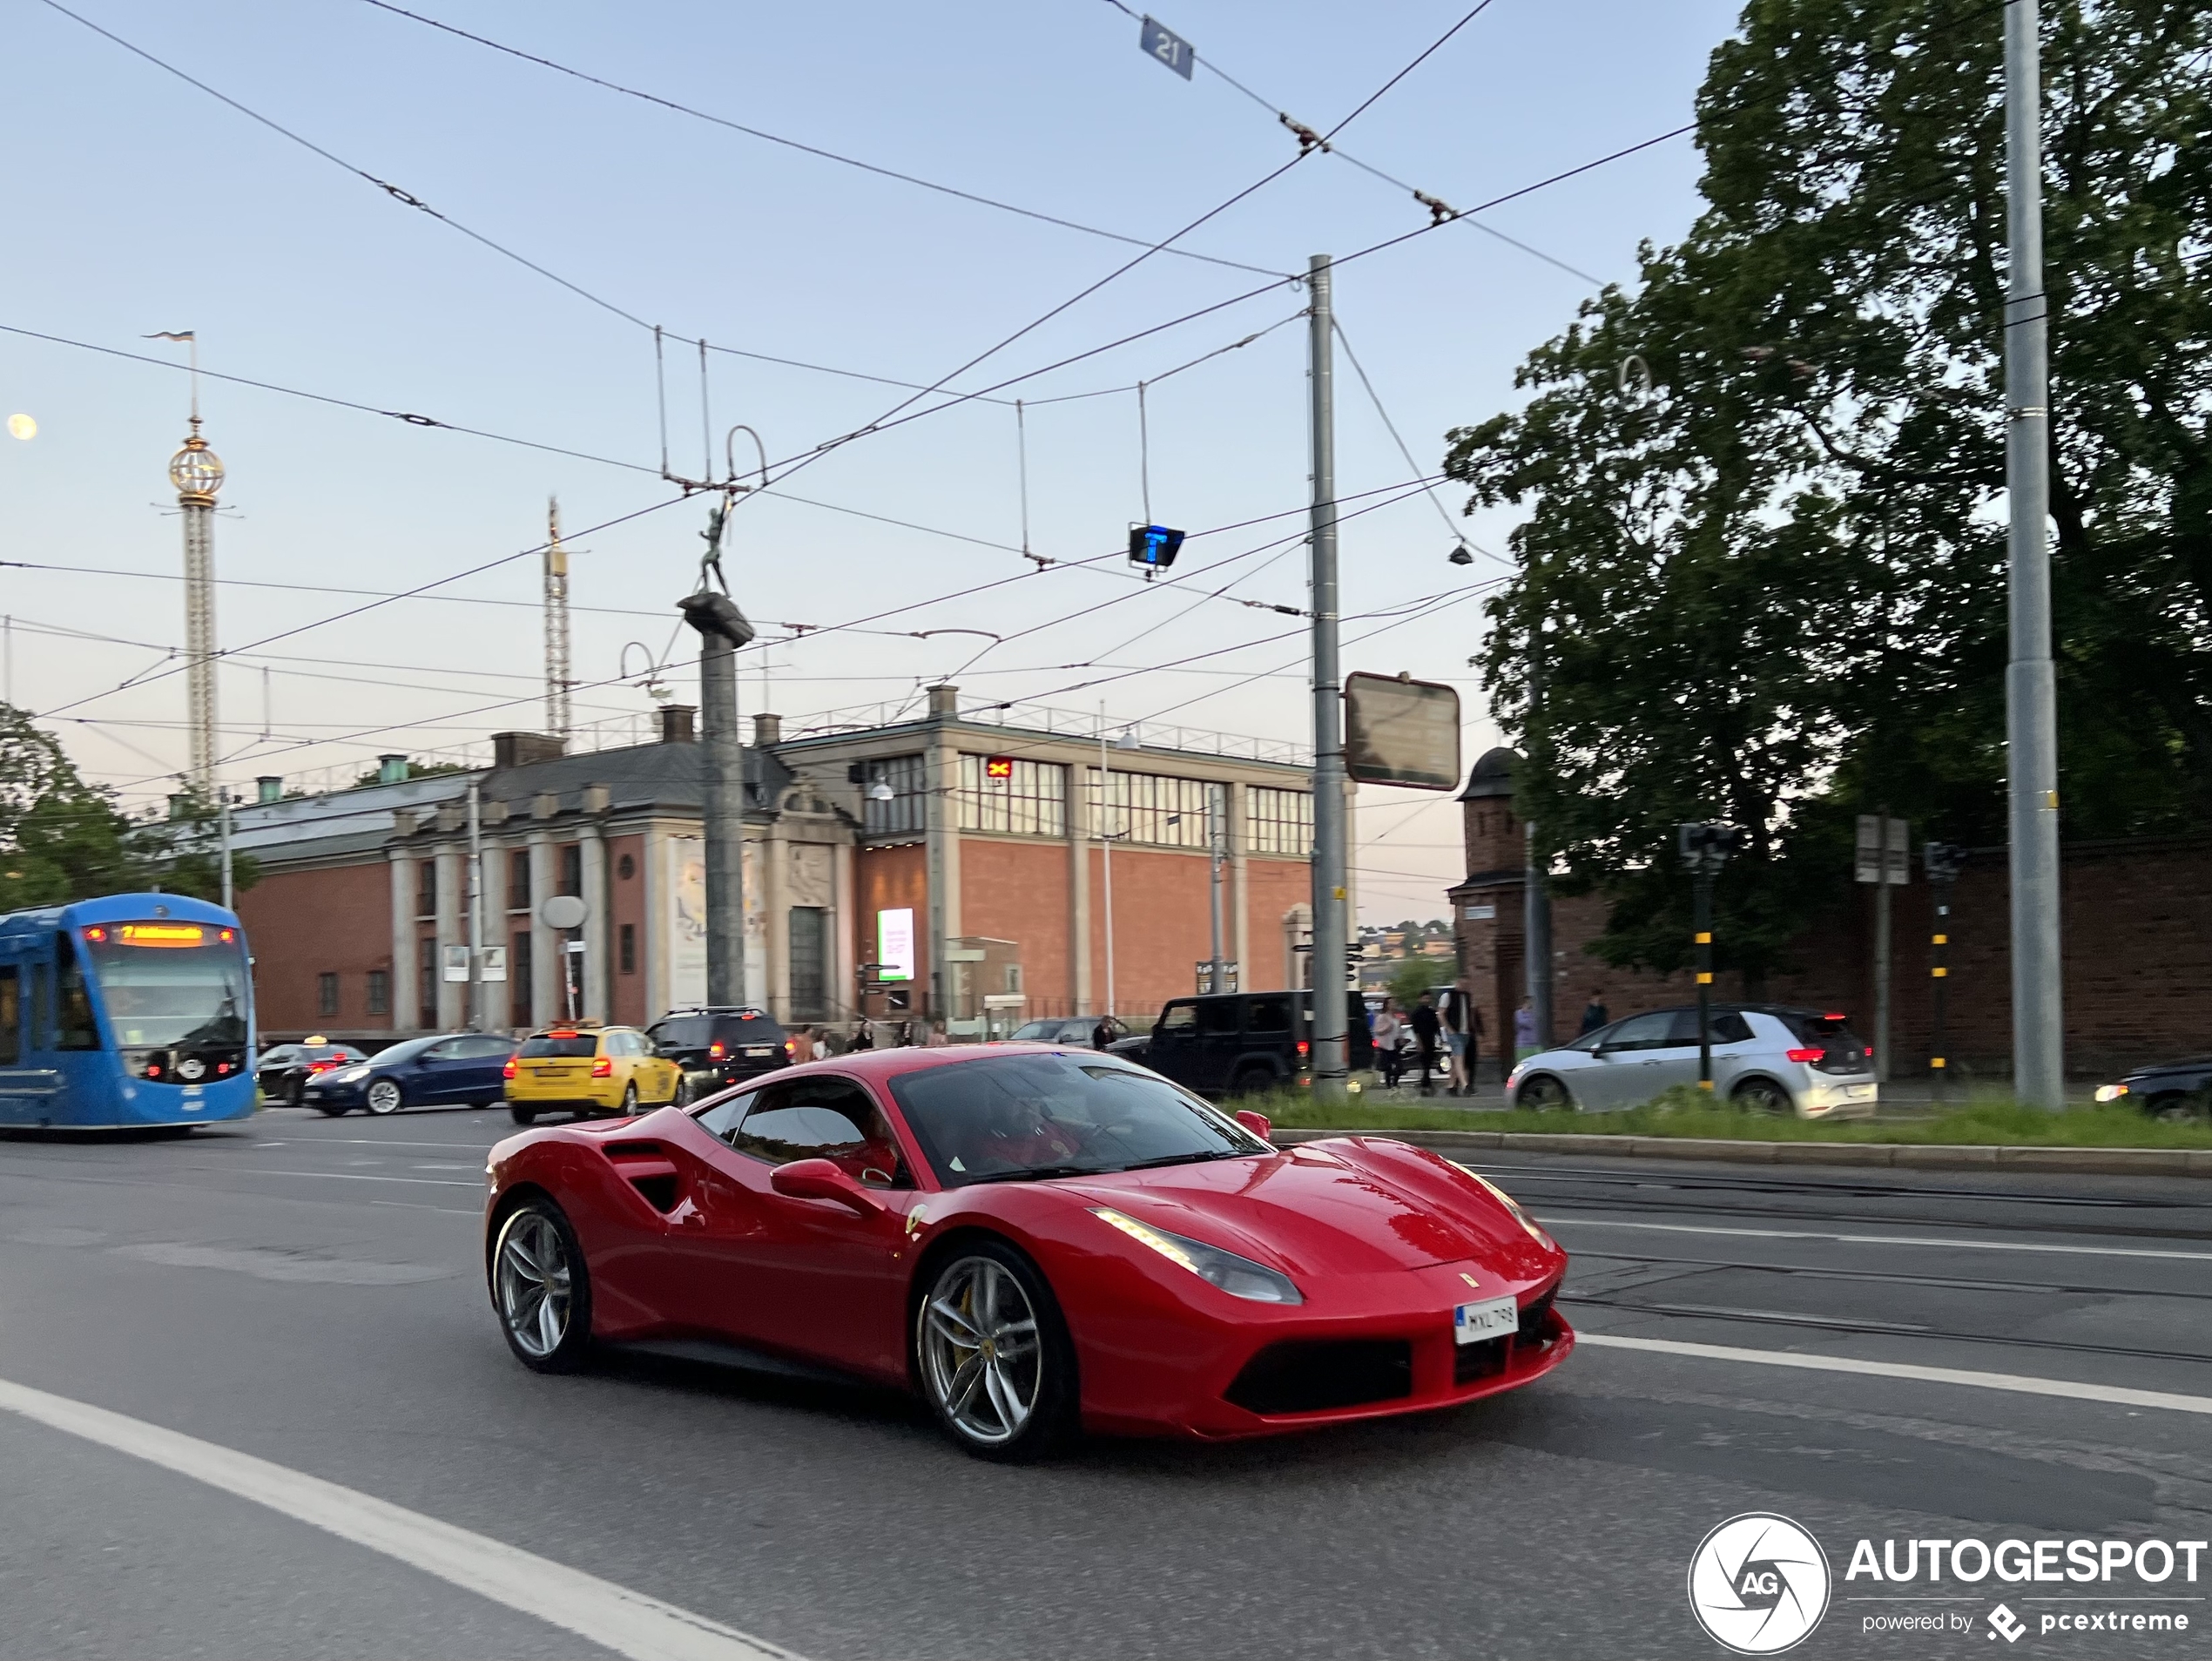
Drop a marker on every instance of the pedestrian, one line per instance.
(1594, 1014)
(863, 1035)
(938, 1038)
(817, 1040)
(1524, 1030)
(1106, 1031)
(1389, 1033)
(1463, 1034)
(1427, 1027)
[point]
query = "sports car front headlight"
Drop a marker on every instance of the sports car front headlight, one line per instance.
(1237, 1276)
(1535, 1229)
(346, 1076)
(2111, 1092)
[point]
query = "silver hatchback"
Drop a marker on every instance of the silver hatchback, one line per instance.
(1766, 1057)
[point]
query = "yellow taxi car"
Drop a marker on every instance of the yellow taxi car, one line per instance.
(585, 1069)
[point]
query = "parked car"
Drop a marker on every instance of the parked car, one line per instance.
(1059, 1029)
(1765, 1057)
(588, 1070)
(1231, 1043)
(451, 1069)
(2168, 1090)
(716, 1047)
(1032, 1240)
(282, 1072)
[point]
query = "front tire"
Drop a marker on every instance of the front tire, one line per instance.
(541, 1288)
(1763, 1096)
(385, 1096)
(1251, 1081)
(993, 1356)
(1544, 1094)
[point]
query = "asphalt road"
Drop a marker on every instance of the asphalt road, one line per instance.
(306, 1291)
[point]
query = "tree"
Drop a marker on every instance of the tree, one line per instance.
(1770, 587)
(415, 770)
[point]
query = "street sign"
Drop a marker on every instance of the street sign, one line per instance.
(493, 962)
(998, 767)
(1874, 859)
(1159, 41)
(457, 962)
(1399, 731)
(1204, 966)
(575, 947)
(562, 911)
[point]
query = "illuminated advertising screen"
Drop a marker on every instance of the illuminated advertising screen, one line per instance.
(894, 944)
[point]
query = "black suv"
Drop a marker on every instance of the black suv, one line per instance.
(719, 1047)
(1229, 1043)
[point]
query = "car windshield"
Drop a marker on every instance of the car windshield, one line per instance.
(1007, 1117)
(570, 1045)
(1041, 1032)
(170, 984)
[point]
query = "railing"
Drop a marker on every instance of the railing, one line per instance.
(1058, 723)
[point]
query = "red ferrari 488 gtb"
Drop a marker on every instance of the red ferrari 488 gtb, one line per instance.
(1035, 1238)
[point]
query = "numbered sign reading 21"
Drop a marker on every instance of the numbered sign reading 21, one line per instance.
(1162, 43)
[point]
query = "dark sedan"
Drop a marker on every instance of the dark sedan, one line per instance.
(2176, 1091)
(452, 1070)
(283, 1070)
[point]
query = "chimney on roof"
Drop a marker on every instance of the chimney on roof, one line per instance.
(767, 732)
(944, 703)
(520, 749)
(269, 787)
(676, 724)
(391, 769)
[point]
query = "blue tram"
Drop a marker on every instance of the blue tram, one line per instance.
(132, 1010)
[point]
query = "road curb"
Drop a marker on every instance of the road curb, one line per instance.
(1912, 1156)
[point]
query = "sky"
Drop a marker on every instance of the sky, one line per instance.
(137, 202)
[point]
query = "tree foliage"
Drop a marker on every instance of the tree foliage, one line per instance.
(1761, 573)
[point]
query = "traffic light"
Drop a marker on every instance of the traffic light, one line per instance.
(1153, 547)
(1943, 860)
(1707, 847)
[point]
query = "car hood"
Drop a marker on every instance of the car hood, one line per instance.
(1350, 1205)
(2187, 1064)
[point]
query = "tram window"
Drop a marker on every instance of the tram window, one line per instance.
(10, 1014)
(75, 1028)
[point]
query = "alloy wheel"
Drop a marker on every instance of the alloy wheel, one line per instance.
(384, 1096)
(1760, 1096)
(1543, 1094)
(983, 1358)
(534, 1278)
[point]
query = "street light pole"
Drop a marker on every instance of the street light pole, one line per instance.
(475, 904)
(1217, 846)
(1330, 1039)
(2031, 700)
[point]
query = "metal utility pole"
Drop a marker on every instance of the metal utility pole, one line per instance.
(557, 677)
(476, 906)
(223, 846)
(1882, 959)
(1106, 852)
(1536, 932)
(1217, 845)
(722, 629)
(1330, 1039)
(2031, 697)
(198, 475)
(1944, 861)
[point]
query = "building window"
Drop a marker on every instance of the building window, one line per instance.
(518, 880)
(625, 868)
(809, 962)
(1031, 801)
(1279, 821)
(426, 980)
(326, 993)
(1147, 807)
(380, 991)
(518, 978)
(426, 889)
(572, 869)
(627, 949)
(907, 810)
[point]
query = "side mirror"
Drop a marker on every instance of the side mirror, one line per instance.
(819, 1180)
(1259, 1124)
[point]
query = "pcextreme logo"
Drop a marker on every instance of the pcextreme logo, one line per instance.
(1759, 1584)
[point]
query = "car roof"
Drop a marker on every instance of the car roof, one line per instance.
(880, 1065)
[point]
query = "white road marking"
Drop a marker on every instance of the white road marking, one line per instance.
(628, 1623)
(410, 1206)
(1571, 1222)
(355, 1176)
(2020, 1384)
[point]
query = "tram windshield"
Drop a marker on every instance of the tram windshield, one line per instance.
(174, 985)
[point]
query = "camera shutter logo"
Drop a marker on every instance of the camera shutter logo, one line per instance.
(1759, 1584)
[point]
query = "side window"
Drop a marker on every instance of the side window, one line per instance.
(723, 1117)
(1267, 1016)
(1645, 1032)
(74, 1028)
(1217, 1016)
(1179, 1020)
(449, 1050)
(821, 1118)
(617, 1043)
(41, 1005)
(1727, 1027)
(10, 1015)
(1731, 1028)
(488, 1046)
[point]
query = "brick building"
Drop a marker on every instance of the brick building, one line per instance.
(975, 857)
(2137, 919)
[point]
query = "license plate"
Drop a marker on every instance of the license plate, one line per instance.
(1493, 1318)
(761, 1050)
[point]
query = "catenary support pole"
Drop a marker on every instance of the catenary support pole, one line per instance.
(1331, 1038)
(223, 838)
(2031, 702)
(725, 822)
(475, 1012)
(1217, 846)
(1701, 923)
(1882, 954)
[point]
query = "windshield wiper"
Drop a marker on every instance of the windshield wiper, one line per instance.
(1039, 1174)
(1190, 1158)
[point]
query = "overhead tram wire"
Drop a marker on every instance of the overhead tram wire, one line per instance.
(793, 143)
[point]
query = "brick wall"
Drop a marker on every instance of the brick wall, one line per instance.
(1273, 888)
(625, 907)
(1018, 889)
(303, 924)
(885, 879)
